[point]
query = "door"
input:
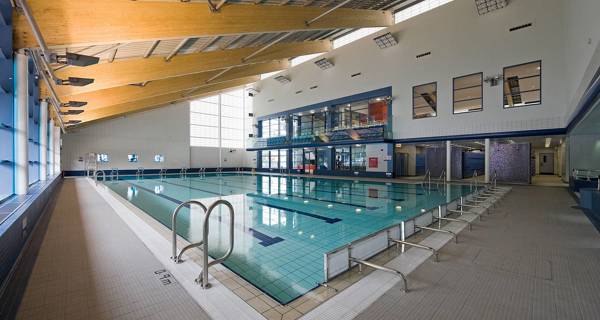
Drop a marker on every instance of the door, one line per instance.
(546, 163)
(310, 161)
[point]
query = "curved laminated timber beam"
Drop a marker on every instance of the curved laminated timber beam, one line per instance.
(69, 23)
(158, 101)
(139, 70)
(118, 95)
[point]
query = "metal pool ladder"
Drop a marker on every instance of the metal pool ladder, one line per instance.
(203, 277)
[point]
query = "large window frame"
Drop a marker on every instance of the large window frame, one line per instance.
(454, 90)
(512, 94)
(221, 121)
(435, 109)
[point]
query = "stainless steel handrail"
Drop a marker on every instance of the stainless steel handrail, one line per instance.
(439, 230)
(440, 219)
(382, 268)
(183, 173)
(203, 277)
(139, 173)
(96, 175)
(442, 179)
(177, 257)
(114, 172)
(398, 242)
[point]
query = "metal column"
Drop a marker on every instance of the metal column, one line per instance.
(21, 123)
(487, 160)
(43, 140)
(56, 151)
(51, 130)
(448, 160)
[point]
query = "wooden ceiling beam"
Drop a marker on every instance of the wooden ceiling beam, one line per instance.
(119, 110)
(139, 70)
(118, 95)
(71, 23)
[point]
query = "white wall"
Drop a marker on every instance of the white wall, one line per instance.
(384, 160)
(461, 42)
(582, 47)
(160, 131)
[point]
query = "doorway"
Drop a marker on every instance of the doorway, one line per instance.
(546, 163)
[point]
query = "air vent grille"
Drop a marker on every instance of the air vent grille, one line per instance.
(523, 26)
(355, 74)
(424, 54)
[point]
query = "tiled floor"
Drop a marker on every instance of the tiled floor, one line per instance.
(91, 266)
(534, 258)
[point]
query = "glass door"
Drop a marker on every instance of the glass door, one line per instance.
(310, 160)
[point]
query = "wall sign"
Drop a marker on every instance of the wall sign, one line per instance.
(373, 162)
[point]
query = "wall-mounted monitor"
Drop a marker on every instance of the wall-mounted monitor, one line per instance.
(132, 157)
(102, 157)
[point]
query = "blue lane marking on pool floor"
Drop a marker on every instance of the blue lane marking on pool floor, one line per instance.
(264, 239)
(303, 213)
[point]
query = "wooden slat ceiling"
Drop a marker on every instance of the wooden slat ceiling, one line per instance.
(133, 40)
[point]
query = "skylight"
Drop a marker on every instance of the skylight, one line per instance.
(417, 9)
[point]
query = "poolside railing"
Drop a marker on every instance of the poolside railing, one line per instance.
(339, 260)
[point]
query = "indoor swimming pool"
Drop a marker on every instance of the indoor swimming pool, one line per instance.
(283, 225)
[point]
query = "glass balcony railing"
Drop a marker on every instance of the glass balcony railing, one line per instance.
(371, 131)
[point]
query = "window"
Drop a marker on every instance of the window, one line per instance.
(353, 36)
(523, 85)
(274, 159)
(102, 157)
(468, 93)
(297, 159)
(275, 127)
(159, 158)
(360, 113)
(425, 100)
(222, 120)
(265, 156)
(417, 9)
(323, 158)
(283, 159)
(342, 158)
(132, 157)
(359, 158)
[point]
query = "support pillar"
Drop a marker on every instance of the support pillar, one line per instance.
(51, 129)
(21, 124)
(448, 160)
(43, 140)
(56, 151)
(487, 160)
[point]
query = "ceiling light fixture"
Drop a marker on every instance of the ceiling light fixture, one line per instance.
(487, 6)
(73, 81)
(324, 63)
(548, 142)
(283, 79)
(73, 104)
(385, 41)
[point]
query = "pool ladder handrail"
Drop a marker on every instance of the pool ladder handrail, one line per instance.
(183, 173)
(219, 170)
(427, 179)
(139, 173)
(114, 172)
(203, 277)
(442, 178)
(382, 268)
(175, 256)
(96, 175)
(162, 173)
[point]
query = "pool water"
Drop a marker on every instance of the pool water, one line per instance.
(283, 225)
